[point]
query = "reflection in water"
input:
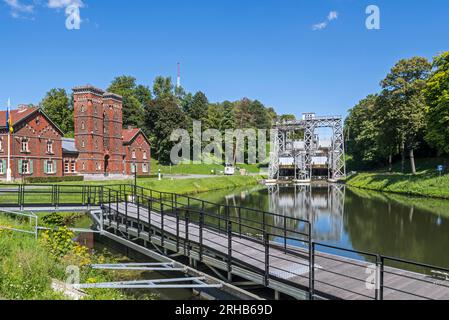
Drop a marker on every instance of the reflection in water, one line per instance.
(322, 205)
(411, 228)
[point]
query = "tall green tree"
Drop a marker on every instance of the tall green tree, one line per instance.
(163, 89)
(143, 94)
(437, 98)
(260, 117)
(362, 133)
(405, 103)
(198, 107)
(57, 106)
(228, 119)
(243, 116)
(133, 109)
(162, 118)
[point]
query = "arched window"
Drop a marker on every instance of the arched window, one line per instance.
(144, 155)
(1, 144)
(83, 126)
(133, 154)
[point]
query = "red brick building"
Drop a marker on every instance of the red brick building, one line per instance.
(35, 145)
(137, 152)
(101, 146)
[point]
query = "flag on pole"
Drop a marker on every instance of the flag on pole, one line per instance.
(9, 119)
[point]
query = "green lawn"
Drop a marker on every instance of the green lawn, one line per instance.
(427, 182)
(197, 168)
(191, 186)
(72, 192)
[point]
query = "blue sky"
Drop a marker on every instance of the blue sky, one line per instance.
(260, 49)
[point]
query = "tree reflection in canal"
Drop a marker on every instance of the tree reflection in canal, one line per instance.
(406, 227)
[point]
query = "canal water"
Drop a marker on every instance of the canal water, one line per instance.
(100, 245)
(410, 228)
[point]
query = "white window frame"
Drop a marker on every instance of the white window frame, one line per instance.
(145, 167)
(25, 167)
(49, 165)
(72, 166)
(50, 147)
(1, 144)
(2, 170)
(144, 155)
(66, 166)
(133, 154)
(25, 147)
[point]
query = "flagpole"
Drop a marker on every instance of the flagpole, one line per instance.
(8, 170)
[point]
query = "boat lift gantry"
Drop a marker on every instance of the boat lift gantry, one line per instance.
(303, 152)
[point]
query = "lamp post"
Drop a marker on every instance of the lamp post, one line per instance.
(23, 172)
(135, 180)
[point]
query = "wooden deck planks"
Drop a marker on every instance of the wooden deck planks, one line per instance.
(334, 274)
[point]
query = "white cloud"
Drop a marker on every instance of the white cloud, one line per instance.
(333, 15)
(319, 26)
(18, 8)
(59, 4)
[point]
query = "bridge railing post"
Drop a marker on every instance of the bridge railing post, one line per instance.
(187, 242)
(162, 225)
(266, 242)
(138, 215)
(229, 230)
(311, 269)
(201, 235)
(285, 234)
(150, 208)
(177, 229)
(117, 207)
(240, 221)
(126, 213)
(101, 196)
(88, 195)
(381, 275)
(52, 196)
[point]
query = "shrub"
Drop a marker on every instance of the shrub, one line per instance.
(54, 179)
(54, 219)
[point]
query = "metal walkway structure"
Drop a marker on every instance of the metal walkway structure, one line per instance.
(173, 283)
(288, 146)
(244, 245)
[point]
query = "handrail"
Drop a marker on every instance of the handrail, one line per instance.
(227, 220)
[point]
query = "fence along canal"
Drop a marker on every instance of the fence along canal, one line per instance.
(240, 242)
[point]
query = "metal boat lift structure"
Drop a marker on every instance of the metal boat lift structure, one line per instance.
(303, 152)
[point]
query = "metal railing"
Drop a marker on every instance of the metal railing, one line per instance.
(216, 230)
(30, 219)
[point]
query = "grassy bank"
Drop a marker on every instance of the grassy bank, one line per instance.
(197, 168)
(424, 184)
(431, 205)
(28, 266)
(71, 192)
(192, 186)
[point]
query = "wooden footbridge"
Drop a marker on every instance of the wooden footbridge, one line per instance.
(242, 245)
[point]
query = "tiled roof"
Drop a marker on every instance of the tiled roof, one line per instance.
(17, 115)
(129, 134)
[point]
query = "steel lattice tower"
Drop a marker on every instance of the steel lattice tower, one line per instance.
(285, 147)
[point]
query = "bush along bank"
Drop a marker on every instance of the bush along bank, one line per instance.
(28, 266)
